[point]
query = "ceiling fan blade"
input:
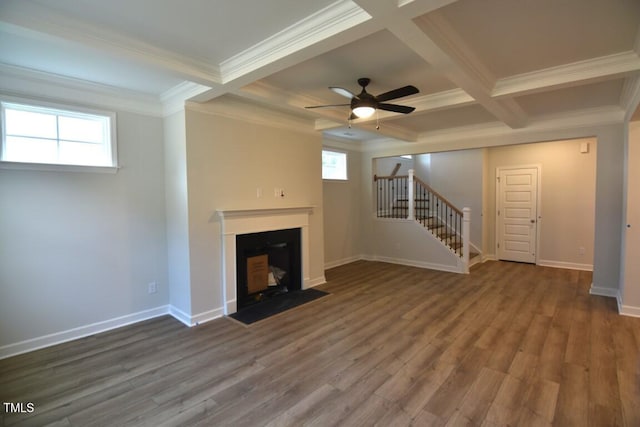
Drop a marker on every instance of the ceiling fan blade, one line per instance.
(344, 92)
(396, 108)
(328, 106)
(397, 93)
(353, 116)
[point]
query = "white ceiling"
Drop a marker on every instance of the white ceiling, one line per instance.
(504, 63)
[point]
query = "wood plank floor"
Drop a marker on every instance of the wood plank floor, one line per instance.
(510, 344)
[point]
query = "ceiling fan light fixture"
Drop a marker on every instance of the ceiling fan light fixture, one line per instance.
(364, 111)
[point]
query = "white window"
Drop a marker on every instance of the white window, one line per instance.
(334, 165)
(48, 134)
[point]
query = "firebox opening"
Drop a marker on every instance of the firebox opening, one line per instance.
(268, 265)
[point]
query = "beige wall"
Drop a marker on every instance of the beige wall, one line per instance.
(227, 161)
(342, 214)
(567, 198)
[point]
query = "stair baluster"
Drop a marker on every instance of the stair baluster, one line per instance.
(406, 196)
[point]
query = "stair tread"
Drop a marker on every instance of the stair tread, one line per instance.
(455, 245)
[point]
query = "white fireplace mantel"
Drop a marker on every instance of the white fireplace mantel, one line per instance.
(245, 221)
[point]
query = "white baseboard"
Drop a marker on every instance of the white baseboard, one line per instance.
(80, 332)
(489, 257)
(315, 282)
(106, 325)
(567, 265)
(603, 292)
(180, 315)
(627, 310)
(338, 263)
(196, 319)
(413, 263)
(206, 316)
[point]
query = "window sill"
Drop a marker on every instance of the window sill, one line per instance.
(57, 168)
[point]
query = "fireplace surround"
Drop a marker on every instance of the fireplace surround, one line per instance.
(237, 222)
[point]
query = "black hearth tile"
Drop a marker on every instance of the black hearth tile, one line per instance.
(275, 305)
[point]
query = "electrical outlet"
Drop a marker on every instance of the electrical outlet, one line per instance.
(259, 192)
(581, 250)
(152, 288)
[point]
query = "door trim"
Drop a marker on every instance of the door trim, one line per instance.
(537, 166)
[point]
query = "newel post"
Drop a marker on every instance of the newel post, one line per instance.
(411, 213)
(466, 237)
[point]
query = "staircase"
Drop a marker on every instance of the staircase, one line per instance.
(435, 225)
(409, 198)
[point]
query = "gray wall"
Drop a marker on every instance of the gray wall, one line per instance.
(177, 213)
(78, 248)
(609, 211)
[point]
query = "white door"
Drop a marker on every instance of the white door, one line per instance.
(517, 212)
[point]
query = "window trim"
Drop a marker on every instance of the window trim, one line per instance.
(58, 167)
(346, 157)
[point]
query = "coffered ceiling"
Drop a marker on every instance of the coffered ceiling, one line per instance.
(477, 63)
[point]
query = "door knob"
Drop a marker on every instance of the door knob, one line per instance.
(533, 221)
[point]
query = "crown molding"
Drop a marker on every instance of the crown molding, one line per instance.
(43, 22)
(260, 91)
(630, 96)
(586, 118)
(27, 82)
(342, 143)
(173, 100)
(579, 119)
(233, 107)
(413, 8)
(604, 67)
(386, 131)
(441, 100)
(333, 19)
(388, 146)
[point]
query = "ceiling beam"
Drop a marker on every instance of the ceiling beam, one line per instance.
(577, 73)
(434, 40)
(327, 22)
(336, 25)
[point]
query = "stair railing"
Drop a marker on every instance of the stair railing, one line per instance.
(425, 205)
(389, 190)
